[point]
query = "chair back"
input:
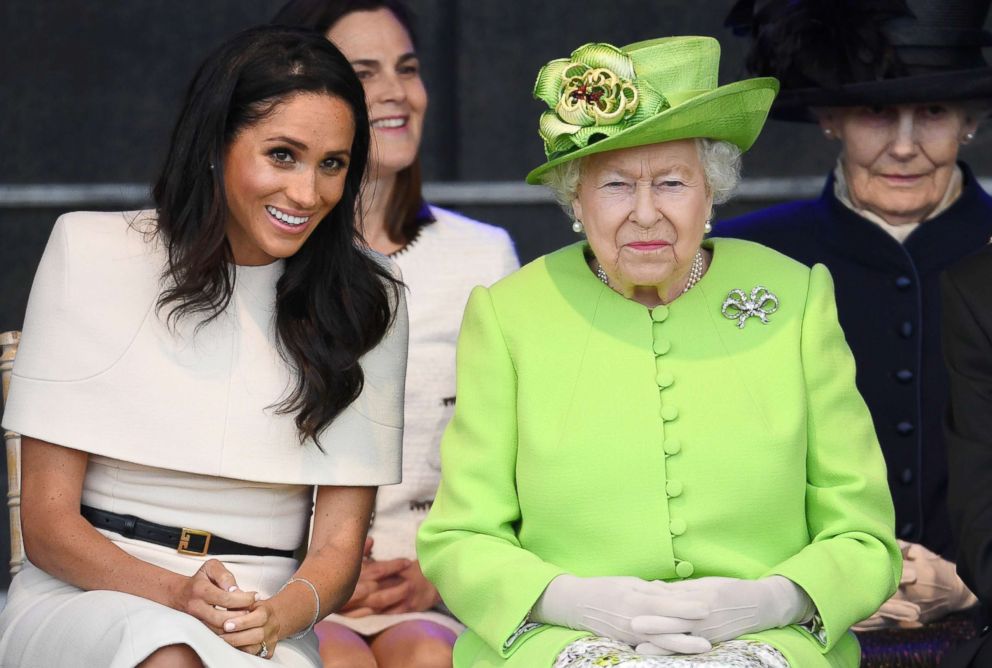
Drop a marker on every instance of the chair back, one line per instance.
(8, 350)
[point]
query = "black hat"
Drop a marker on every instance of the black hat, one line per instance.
(842, 53)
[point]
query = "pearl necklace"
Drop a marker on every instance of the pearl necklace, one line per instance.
(695, 272)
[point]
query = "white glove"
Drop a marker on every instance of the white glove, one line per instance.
(606, 605)
(735, 607)
(932, 582)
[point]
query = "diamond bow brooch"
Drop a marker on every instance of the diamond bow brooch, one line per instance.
(739, 306)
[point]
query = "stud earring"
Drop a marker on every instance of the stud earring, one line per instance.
(968, 137)
(577, 227)
(828, 133)
(707, 227)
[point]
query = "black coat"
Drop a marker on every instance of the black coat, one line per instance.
(967, 335)
(888, 303)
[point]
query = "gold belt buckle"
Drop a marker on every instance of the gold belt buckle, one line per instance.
(183, 547)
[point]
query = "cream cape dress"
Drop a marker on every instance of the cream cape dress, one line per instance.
(181, 431)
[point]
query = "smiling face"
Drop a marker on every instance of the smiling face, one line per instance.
(898, 160)
(284, 174)
(381, 51)
(643, 210)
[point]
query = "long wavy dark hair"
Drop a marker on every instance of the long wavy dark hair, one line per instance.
(334, 301)
(406, 202)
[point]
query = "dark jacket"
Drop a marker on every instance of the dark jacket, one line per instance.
(967, 335)
(889, 306)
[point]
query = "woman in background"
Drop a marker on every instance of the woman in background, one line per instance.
(897, 209)
(396, 617)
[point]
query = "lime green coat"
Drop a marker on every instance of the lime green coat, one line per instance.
(597, 437)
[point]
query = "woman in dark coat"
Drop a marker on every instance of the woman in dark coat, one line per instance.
(896, 211)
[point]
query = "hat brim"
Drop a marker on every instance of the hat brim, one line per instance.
(958, 85)
(735, 112)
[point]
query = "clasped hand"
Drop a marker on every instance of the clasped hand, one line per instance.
(212, 595)
(684, 617)
(928, 590)
(390, 587)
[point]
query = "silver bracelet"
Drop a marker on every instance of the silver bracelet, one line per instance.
(316, 613)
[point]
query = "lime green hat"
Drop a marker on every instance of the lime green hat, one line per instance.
(603, 98)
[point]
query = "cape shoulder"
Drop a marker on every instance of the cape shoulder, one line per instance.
(97, 281)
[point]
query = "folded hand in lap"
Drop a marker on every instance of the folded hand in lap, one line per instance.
(380, 586)
(929, 589)
(734, 607)
(607, 605)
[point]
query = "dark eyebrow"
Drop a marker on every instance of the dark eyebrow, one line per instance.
(289, 140)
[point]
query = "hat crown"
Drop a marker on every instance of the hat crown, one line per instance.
(604, 98)
(677, 66)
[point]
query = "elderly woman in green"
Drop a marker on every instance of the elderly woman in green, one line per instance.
(658, 448)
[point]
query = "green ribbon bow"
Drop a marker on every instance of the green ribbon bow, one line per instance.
(592, 95)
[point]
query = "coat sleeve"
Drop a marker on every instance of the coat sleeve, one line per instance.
(468, 545)
(853, 563)
(968, 429)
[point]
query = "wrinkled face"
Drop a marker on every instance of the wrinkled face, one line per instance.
(898, 160)
(643, 210)
(382, 54)
(284, 174)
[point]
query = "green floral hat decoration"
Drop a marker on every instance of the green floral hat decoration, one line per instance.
(603, 98)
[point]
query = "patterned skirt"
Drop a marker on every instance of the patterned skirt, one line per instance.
(603, 652)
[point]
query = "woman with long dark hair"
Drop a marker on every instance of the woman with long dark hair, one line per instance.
(395, 618)
(192, 380)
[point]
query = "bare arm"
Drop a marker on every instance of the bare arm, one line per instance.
(59, 541)
(341, 520)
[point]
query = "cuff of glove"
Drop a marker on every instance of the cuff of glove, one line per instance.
(796, 605)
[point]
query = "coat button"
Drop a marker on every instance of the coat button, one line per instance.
(904, 375)
(662, 346)
(669, 413)
(673, 488)
(677, 527)
(906, 530)
(659, 313)
(684, 569)
(673, 446)
(905, 428)
(906, 329)
(903, 282)
(664, 379)
(907, 476)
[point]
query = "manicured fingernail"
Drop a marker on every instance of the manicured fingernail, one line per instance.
(232, 588)
(229, 626)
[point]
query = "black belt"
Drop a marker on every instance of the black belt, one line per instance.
(183, 540)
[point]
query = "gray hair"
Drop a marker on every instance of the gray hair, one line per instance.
(721, 166)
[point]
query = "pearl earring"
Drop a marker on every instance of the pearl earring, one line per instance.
(828, 133)
(707, 227)
(577, 227)
(968, 137)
